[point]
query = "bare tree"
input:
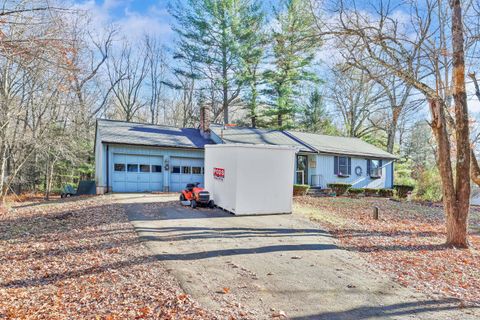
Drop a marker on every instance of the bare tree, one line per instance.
(127, 72)
(355, 97)
(394, 46)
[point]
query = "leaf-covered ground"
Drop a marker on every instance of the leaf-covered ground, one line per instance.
(81, 259)
(406, 242)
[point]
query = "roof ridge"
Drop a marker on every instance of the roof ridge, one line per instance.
(144, 123)
(285, 132)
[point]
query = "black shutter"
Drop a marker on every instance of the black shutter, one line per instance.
(349, 166)
(369, 165)
(335, 165)
(380, 167)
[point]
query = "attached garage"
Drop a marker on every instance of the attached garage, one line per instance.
(137, 173)
(133, 157)
(185, 170)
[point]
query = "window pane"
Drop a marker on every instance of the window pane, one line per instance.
(197, 170)
(374, 164)
(186, 170)
(156, 168)
(144, 168)
(119, 167)
(132, 167)
(175, 169)
(343, 166)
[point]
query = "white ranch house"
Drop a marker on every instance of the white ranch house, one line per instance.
(136, 157)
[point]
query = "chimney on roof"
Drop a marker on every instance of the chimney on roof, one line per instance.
(205, 120)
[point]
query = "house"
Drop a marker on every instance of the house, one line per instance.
(136, 157)
(321, 159)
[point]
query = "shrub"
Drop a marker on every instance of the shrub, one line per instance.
(300, 189)
(387, 193)
(369, 192)
(429, 185)
(355, 190)
(402, 190)
(339, 188)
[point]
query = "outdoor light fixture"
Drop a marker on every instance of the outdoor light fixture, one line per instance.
(167, 167)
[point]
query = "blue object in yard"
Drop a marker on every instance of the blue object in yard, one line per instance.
(68, 191)
(84, 187)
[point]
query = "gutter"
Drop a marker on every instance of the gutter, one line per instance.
(152, 146)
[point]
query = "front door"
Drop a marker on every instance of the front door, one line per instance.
(302, 169)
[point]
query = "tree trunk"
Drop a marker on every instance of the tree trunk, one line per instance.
(392, 131)
(456, 229)
(457, 225)
(474, 168)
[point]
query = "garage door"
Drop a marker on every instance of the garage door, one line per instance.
(185, 170)
(137, 173)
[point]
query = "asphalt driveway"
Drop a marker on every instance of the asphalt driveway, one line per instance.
(273, 265)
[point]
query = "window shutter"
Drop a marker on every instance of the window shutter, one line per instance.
(380, 167)
(369, 165)
(349, 166)
(335, 165)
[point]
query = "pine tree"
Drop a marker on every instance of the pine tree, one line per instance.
(253, 43)
(212, 35)
(314, 116)
(295, 41)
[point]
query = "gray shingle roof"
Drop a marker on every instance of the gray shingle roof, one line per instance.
(341, 145)
(149, 135)
(257, 136)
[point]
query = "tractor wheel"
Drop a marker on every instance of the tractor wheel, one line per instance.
(182, 197)
(193, 203)
(211, 204)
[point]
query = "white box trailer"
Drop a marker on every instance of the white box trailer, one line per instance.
(250, 179)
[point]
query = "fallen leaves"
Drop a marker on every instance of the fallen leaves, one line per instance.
(406, 242)
(80, 259)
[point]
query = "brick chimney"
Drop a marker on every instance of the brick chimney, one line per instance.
(205, 121)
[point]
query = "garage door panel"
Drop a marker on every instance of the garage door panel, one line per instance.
(137, 174)
(178, 181)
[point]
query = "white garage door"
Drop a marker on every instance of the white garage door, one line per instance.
(185, 170)
(137, 173)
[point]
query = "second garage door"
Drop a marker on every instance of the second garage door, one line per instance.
(185, 170)
(137, 173)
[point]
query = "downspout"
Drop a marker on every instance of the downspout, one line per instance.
(108, 167)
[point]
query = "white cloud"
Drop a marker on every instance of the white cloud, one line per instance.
(130, 24)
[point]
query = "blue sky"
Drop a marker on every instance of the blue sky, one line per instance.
(134, 17)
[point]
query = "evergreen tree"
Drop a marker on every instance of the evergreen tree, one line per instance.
(252, 52)
(295, 41)
(315, 118)
(212, 35)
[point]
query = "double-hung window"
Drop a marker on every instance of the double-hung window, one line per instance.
(374, 168)
(342, 166)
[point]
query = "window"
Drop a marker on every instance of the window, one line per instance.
(119, 167)
(203, 170)
(132, 167)
(342, 166)
(156, 168)
(374, 168)
(144, 168)
(197, 170)
(186, 170)
(175, 169)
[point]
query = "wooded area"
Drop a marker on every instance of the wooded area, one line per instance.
(386, 73)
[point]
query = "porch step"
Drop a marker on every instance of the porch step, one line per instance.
(318, 192)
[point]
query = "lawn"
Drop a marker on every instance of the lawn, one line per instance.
(406, 242)
(81, 259)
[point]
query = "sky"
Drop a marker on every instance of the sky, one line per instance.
(134, 18)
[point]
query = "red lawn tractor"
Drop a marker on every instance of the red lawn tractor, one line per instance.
(195, 196)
